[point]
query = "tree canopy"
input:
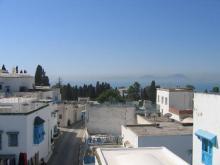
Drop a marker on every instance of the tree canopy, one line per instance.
(110, 95)
(134, 92)
(40, 77)
(3, 67)
(149, 92)
(215, 89)
(69, 92)
(103, 92)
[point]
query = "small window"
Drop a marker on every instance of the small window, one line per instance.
(162, 99)
(0, 87)
(12, 139)
(158, 98)
(165, 100)
(60, 116)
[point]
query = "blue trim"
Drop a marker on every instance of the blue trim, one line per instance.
(207, 152)
(89, 159)
(206, 135)
(38, 134)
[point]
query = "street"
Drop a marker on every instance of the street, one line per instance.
(66, 151)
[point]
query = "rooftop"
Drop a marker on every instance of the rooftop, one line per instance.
(134, 156)
(175, 89)
(18, 75)
(160, 127)
(20, 106)
(113, 105)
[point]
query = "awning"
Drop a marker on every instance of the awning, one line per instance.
(38, 121)
(206, 135)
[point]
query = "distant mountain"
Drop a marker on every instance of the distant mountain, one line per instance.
(152, 77)
(166, 78)
(178, 76)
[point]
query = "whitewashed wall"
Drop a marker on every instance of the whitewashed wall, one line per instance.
(44, 148)
(181, 145)
(13, 123)
(164, 108)
(108, 119)
(181, 100)
(16, 82)
(142, 120)
(129, 136)
(206, 117)
(24, 125)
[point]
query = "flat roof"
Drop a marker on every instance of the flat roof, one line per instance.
(165, 128)
(175, 89)
(21, 108)
(138, 156)
(207, 94)
(20, 75)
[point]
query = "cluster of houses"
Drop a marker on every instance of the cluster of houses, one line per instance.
(182, 129)
(30, 117)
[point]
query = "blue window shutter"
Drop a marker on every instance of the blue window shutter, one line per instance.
(207, 147)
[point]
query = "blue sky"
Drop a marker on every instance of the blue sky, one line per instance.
(94, 39)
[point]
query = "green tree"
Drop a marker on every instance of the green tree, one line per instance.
(40, 77)
(69, 92)
(149, 92)
(134, 92)
(191, 87)
(3, 67)
(152, 92)
(215, 89)
(110, 95)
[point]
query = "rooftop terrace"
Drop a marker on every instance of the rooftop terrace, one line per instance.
(10, 75)
(138, 156)
(175, 89)
(160, 126)
(18, 106)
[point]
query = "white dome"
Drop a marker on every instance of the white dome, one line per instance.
(137, 159)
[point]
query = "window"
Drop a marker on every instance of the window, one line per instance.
(0, 87)
(165, 100)
(162, 99)
(38, 132)
(158, 98)
(60, 116)
(12, 139)
(206, 152)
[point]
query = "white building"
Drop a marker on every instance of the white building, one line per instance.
(107, 119)
(157, 132)
(83, 100)
(123, 91)
(177, 102)
(69, 113)
(138, 156)
(206, 129)
(51, 94)
(14, 82)
(26, 128)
